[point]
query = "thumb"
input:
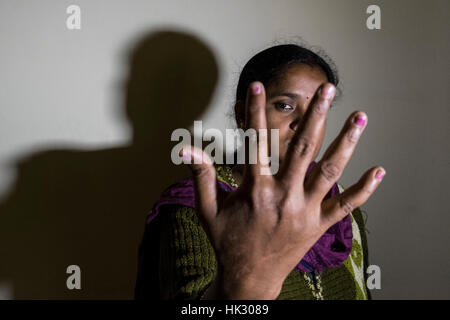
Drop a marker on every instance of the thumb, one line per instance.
(204, 181)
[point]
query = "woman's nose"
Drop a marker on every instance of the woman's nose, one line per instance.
(294, 123)
(297, 117)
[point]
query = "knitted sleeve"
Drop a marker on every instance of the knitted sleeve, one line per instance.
(187, 259)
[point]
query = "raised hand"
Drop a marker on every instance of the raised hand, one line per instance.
(263, 229)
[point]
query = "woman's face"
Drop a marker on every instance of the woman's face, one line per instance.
(288, 99)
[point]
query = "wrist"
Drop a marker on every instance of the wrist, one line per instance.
(229, 287)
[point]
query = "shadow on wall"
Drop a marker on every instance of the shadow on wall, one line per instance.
(88, 208)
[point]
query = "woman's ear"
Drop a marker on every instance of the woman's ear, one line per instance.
(239, 111)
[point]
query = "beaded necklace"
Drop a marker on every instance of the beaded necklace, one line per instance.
(225, 174)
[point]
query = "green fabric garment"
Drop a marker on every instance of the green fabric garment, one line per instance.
(187, 262)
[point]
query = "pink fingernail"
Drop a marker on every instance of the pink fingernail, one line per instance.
(184, 155)
(360, 121)
(380, 175)
(256, 89)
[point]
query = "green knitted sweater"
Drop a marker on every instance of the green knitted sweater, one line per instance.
(187, 264)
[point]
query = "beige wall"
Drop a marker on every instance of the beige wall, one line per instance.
(76, 173)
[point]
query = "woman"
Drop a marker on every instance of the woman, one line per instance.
(231, 232)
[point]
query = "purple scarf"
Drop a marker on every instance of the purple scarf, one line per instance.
(329, 251)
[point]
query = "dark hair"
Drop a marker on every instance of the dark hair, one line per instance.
(268, 65)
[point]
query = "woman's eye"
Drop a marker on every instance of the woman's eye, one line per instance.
(283, 106)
